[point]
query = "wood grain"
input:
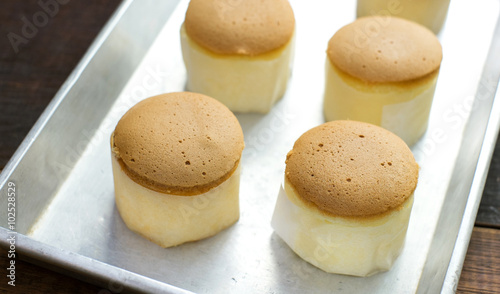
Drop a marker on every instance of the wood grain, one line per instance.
(30, 78)
(34, 279)
(489, 209)
(481, 270)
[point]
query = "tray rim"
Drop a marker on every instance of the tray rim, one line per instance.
(491, 134)
(48, 256)
(63, 91)
(459, 252)
(85, 268)
(54, 258)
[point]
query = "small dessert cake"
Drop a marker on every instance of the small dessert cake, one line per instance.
(384, 74)
(430, 13)
(175, 160)
(347, 197)
(239, 52)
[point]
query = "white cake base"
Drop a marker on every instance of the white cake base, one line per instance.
(430, 13)
(170, 220)
(400, 108)
(358, 247)
(242, 83)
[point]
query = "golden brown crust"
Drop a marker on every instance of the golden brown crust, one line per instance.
(178, 143)
(243, 27)
(349, 168)
(385, 49)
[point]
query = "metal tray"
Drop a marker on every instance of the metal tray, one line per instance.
(65, 213)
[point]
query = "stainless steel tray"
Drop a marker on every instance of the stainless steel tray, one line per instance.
(65, 213)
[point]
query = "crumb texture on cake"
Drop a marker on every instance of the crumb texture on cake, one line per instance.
(351, 169)
(385, 49)
(248, 27)
(178, 143)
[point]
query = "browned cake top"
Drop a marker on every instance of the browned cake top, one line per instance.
(349, 168)
(385, 49)
(245, 27)
(178, 143)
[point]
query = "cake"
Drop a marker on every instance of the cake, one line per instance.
(239, 52)
(175, 161)
(347, 196)
(384, 74)
(430, 13)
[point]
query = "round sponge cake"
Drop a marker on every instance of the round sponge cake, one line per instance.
(230, 47)
(170, 152)
(347, 197)
(249, 27)
(383, 71)
(351, 169)
(179, 143)
(395, 51)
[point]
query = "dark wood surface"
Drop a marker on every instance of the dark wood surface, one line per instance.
(30, 78)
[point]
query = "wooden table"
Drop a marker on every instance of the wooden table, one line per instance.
(30, 78)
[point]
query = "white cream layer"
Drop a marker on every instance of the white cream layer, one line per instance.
(170, 220)
(402, 109)
(242, 83)
(358, 247)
